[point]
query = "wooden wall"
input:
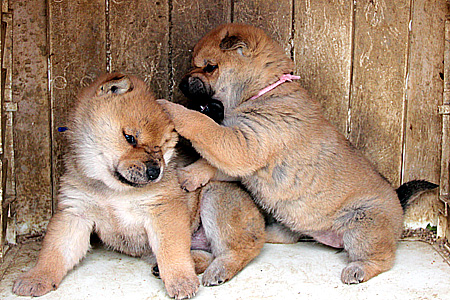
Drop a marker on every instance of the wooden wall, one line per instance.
(375, 65)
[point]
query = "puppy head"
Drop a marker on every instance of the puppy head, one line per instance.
(232, 63)
(121, 136)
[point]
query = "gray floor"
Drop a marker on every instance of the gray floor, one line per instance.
(300, 271)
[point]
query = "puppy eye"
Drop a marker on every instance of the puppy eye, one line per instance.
(130, 139)
(209, 68)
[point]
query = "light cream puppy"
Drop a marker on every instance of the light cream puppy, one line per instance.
(121, 183)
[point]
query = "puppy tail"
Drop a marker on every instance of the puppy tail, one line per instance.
(409, 191)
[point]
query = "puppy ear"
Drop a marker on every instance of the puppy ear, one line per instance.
(234, 42)
(118, 85)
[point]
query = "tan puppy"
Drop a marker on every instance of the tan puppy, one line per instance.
(294, 162)
(121, 183)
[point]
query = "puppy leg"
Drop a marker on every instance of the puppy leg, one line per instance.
(371, 241)
(246, 149)
(235, 228)
(65, 244)
(170, 239)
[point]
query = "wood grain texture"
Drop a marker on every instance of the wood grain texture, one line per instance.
(190, 20)
(3, 206)
(422, 157)
(77, 56)
(376, 104)
(322, 54)
(444, 185)
(32, 152)
(274, 17)
(139, 41)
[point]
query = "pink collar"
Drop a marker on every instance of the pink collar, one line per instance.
(283, 79)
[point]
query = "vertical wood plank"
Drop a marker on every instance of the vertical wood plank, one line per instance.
(31, 154)
(444, 185)
(422, 152)
(274, 17)
(190, 20)
(78, 55)
(139, 33)
(322, 54)
(3, 206)
(376, 104)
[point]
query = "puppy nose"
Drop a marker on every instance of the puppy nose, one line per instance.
(153, 169)
(153, 172)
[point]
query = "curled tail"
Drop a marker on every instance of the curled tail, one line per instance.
(410, 190)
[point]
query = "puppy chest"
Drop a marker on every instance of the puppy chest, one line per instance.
(124, 229)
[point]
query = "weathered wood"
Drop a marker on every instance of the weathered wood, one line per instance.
(422, 151)
(77, 56)
(378, 81)
(3, 206)
(322, 54)
(32, 152)
(444, 185)
(139, 41)
(190, 21)
(274, 17)
(3, 210)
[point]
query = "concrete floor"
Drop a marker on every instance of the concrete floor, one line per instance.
(300, 271)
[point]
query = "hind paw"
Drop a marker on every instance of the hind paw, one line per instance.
(353, 273)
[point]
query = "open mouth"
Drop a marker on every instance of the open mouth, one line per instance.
(122, 179)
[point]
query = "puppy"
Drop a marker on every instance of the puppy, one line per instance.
(296, 165)
(121, 183)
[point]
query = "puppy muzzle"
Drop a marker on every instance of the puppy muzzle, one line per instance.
(138, 174)
(194, 87)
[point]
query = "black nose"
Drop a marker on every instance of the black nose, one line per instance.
(153, 172)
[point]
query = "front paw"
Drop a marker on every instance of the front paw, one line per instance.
(182, 287)
(171, 108)
(191, 180)
(34, 284)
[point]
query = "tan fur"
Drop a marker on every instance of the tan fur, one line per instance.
(127, 192)
(294, 162)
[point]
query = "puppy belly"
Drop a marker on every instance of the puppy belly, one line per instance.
(131, 244)
(329, 238)
(199, 240)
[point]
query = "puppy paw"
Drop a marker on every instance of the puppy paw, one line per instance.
(172, 109)
(190, 180)
(182, 287)
(216, 274)
(34, 284)
(353, 273)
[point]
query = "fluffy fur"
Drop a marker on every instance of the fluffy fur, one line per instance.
(296, 165)
(121, 183)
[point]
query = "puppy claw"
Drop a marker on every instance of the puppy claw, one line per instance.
(352, 274)
(216, 275)
(155, 271)
(182, 287)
